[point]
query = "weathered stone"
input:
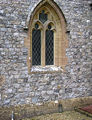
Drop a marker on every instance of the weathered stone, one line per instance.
(50, 92)
(68, 90)
(6, 102)
(0, 97)
(17, 85)
(34, 99)
(9, 91)
(2, 79)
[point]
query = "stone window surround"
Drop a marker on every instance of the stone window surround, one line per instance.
(60, 59)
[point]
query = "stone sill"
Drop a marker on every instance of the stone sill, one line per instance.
(46, 69)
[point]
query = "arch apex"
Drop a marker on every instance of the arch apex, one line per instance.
(39, 4)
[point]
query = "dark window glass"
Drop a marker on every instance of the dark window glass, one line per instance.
(36, 46)
(36, 26)
(49, 49)
(43, 17)
(49, 27)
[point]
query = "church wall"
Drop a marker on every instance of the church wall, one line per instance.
(17, 86)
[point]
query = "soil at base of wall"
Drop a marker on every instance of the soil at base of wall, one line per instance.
(68, 115)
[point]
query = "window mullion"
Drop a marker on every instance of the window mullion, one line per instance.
(43, 49)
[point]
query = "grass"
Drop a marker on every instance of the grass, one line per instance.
(69, 115)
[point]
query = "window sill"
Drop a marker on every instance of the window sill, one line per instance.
(46, 69)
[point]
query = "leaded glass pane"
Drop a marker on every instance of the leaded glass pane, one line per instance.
(43, 17)
(49, 49)
(36, 47)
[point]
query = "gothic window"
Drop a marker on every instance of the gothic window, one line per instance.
(47, 41)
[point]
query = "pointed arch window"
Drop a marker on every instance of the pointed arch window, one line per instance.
(43, 45)
(47, 40)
